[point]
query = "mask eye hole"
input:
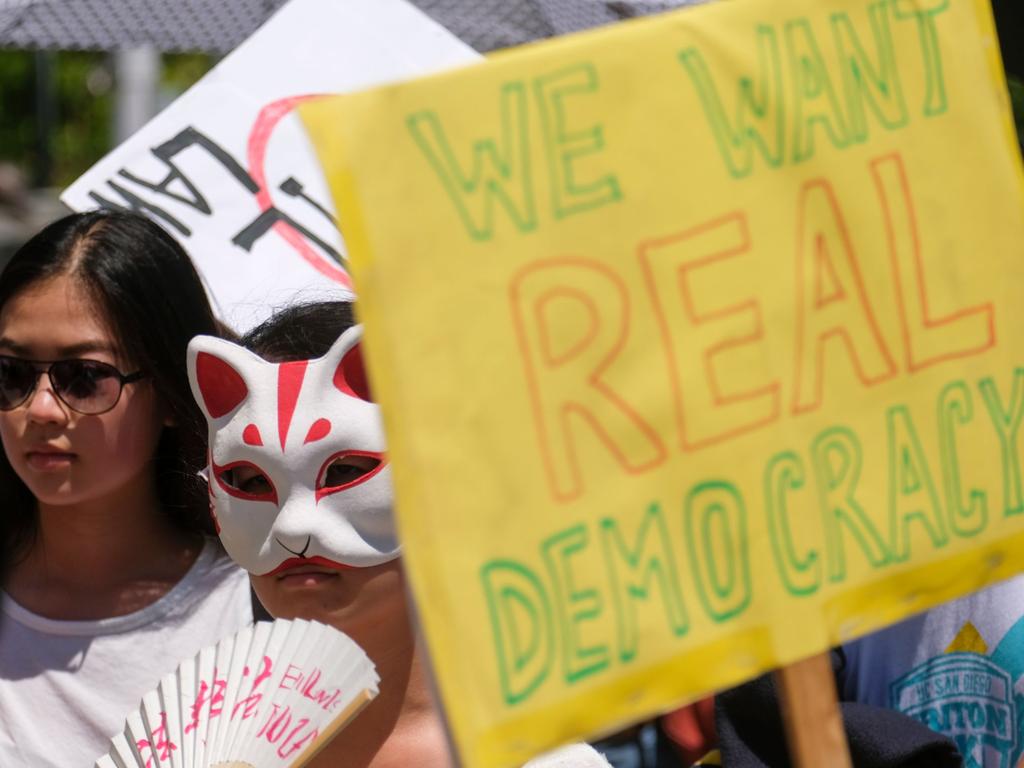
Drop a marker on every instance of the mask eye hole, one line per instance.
(346, 469)
(247, 481)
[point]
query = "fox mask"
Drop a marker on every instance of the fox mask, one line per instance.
(297, 465)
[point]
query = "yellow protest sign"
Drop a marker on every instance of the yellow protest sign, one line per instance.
(698, 345)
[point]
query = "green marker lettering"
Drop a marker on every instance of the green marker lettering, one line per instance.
(566, 147)
(573, 606)
(924, 12)
(715, 521)
(759, 112)
(837, 459)
(634, 569)
(912, 494)
(1007, 422)
(521, 621)
(814, 99)
(784, 474)
(866, 82)
(956, 408)
(500, 168)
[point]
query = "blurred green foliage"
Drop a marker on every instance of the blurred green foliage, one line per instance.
(181, 70)
(84, 105)
(17, 104)
(83, 101)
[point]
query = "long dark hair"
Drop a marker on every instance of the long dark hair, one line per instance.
(154, 303)
(301, 331)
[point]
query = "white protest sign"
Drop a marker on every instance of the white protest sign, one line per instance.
(227, 168)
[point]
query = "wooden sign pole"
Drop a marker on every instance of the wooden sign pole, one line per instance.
(810, 711)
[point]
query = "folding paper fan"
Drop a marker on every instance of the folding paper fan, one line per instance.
(268, 697)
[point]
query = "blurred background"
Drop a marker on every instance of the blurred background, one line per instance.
(59, 117)
(79, 76)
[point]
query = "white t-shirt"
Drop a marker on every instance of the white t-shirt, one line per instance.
(67, 686)
(958, 668)
(571, 756)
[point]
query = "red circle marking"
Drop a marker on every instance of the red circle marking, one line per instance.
(259, 138)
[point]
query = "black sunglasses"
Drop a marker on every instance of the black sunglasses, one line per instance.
(88, 387)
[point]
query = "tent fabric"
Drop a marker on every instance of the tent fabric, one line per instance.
(217, 26)
(212, 26)
(488, 25)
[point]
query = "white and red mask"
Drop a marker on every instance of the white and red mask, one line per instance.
(298, 470)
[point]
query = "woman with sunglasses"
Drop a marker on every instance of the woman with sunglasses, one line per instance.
(109, 576)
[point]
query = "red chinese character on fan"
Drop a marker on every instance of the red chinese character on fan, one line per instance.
(249, 703)
(208, 696)
(160, 747)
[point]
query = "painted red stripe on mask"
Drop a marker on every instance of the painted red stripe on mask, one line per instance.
(289, 382)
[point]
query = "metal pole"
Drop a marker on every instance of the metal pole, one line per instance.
(137, 75)
(46, 118)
